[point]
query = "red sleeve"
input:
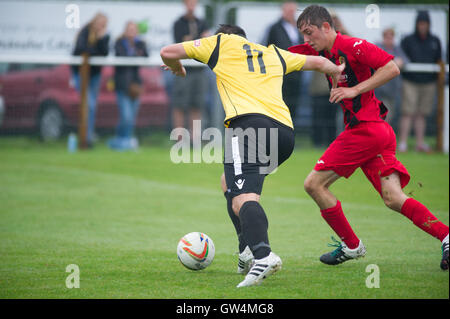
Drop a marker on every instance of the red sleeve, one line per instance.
(369, 54)
(303, 49)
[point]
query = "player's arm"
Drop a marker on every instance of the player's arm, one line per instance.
(171, 56)
(302, 62)
(377, 59)
(199, 50)
(323, 65)
(380, 77)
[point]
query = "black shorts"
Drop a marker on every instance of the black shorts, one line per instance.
(255, 145)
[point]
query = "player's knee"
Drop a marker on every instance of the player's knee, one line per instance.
(237, 204)
(236, 208)
(223, 183)
(310, 185)
(393, 200)
(240, 200)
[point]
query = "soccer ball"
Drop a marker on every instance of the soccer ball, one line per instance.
(196, 251)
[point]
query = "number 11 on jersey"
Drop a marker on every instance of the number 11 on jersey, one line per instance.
(249, 51)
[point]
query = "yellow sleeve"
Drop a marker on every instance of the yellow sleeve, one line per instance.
(294, 61)
(200, 49)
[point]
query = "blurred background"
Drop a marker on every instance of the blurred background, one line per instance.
(121, 97)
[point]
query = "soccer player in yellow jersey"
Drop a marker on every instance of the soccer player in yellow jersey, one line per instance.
(259, 135)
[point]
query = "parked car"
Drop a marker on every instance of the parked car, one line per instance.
(42, 98)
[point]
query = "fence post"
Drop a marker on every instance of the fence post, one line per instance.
(440, 108)
(84, 85)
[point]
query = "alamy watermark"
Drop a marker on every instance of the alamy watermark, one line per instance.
(73, 16)
(373, 280)
(73, 279)
(241, 146)
(373, 16)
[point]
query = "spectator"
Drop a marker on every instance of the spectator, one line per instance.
(188, 99)
(128, 86)
(388, 93)
(419, 89)
(93, 40)
(284, 34)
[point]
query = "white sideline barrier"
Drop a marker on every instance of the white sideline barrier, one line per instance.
(96, 60)
(423, 67)
(152, 61)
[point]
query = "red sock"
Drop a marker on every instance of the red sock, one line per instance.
(424, 219)
(334, 216)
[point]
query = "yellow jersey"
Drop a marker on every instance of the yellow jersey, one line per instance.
(249, 76)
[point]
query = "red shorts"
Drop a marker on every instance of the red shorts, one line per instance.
(369, 145)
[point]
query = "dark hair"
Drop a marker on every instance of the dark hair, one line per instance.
(314, 15)
(423, 15)
(231, 29)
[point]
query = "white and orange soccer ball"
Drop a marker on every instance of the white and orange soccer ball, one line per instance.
(196, 251)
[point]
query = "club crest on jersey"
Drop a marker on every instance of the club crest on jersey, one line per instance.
(197, 43)
(343, 77)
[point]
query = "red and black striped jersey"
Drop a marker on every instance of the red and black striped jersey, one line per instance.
(362, 58)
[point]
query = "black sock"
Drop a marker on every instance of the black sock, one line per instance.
(236, 222)
(254, 226)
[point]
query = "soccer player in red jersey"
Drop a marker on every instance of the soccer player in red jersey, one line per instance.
(367, 142)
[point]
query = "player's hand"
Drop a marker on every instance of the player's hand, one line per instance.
(180, 71)
(338, 94)
(335, 76)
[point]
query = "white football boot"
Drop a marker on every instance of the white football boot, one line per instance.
(245, 261)
(261, 269)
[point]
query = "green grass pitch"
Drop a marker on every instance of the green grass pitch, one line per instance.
(119, 216)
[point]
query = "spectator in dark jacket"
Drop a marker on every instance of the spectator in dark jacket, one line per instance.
(419, 89)
(93, 40)
(284, 34)
(128, 86)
